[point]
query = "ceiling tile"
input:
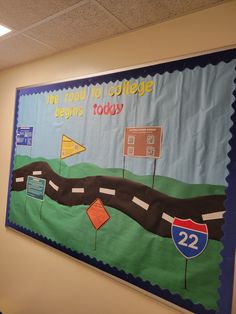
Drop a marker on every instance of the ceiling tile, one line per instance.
(64, 24)
(181, 7)
(19, 14)
(84, 24)
(20, 49)
(137, 13)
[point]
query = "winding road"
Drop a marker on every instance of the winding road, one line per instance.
(153, 210)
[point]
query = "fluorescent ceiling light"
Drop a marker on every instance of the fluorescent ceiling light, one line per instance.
(4, 30)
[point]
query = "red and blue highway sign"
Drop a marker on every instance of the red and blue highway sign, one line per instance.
(190, 237)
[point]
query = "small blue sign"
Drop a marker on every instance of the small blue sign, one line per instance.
(24, 136)
(35, 187)
(190, 237)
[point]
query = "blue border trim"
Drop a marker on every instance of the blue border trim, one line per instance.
(229, 228)
(179, 65)
(229, 239)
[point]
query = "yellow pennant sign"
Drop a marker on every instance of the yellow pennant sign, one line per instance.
(70, 147)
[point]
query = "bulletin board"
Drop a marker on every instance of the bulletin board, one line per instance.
(133, 173)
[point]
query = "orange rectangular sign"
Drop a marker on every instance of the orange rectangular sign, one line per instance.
(143, 142)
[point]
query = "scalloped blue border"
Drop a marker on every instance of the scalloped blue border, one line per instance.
(179, 65)
(229, 228)
(229, 239)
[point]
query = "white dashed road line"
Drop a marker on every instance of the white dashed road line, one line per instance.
(213, 216)
(77, 190)
(53, 185)
(136, 200)
(20, 179)
(140, 203)
(107, 191)
(37, 173)
(167, 218)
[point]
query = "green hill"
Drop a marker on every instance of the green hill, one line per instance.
(124, 244)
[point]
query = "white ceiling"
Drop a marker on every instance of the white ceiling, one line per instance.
(44, 27)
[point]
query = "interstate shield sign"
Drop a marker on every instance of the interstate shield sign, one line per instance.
(190, 237)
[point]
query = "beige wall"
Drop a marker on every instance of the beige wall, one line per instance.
(35, 279)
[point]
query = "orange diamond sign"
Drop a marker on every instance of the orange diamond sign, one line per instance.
(97, 214)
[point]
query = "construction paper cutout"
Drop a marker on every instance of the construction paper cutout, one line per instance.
(70, 147)
(143, 142)
(35, 187)
(190, 238)
(157, 219)
(24, 136)
(97, 214)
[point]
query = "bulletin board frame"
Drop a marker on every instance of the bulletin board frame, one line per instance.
(229, 234)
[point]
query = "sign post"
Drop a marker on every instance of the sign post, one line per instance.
(143, 142)
(190, 239)
(35, 188)
(98, 216)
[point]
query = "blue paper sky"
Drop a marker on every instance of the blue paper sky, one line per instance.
(192, 106)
